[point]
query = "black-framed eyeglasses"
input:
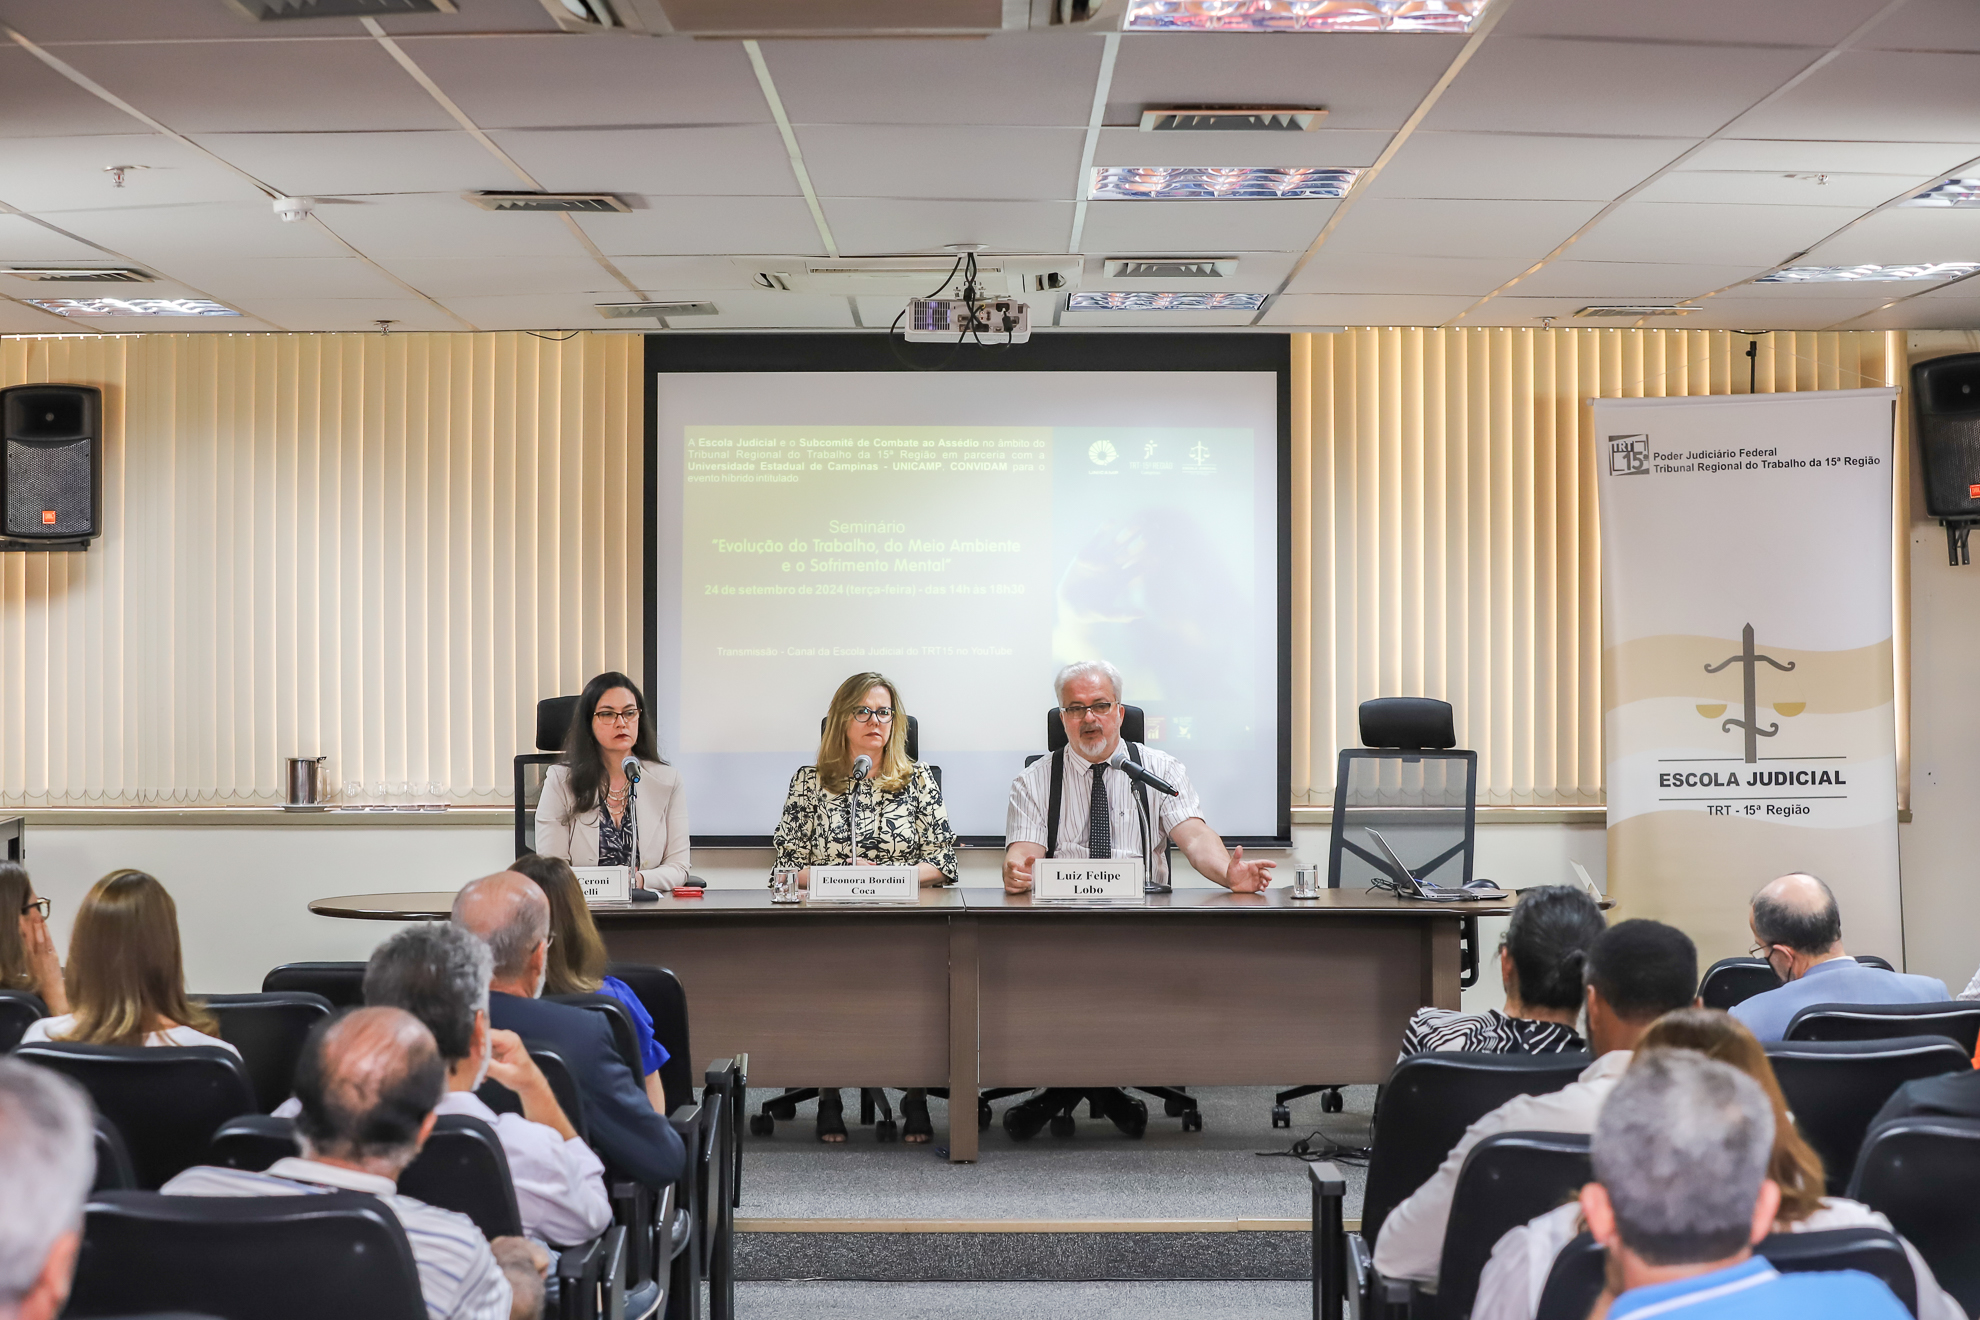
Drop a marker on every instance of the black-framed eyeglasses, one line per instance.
(41, 905)
(1100, 708)
(1761, 951)
(630, 715)
(876, 715)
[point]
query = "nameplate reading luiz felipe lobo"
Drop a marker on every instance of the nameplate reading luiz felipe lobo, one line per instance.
(1747, 677)
(865, 884)
(1116, 881)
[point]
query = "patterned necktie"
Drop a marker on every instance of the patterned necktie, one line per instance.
(1099, 827)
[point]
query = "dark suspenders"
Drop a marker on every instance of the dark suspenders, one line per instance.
(1058, 790)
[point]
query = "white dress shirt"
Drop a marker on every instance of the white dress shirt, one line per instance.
(1513, 1279)
(1024, 820)
(458, 1276)
(560, 1185)
(53, 1029)
(1411, 1243)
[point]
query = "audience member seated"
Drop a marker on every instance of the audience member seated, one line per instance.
(1541, 963)
(1949, 1095)
(1511, 1285)
(1972, 990)
(1637, 972)
(368, 1082)
(439, 973)
(1797, 928)
(126, 972)
(1681, 1194)
(27, 950)
(577, 960)
(512, 915)
(47, 1161)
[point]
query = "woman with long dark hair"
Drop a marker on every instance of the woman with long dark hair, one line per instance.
(592, 814)
(27, 951)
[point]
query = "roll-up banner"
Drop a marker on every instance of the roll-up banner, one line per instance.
(1747, 679)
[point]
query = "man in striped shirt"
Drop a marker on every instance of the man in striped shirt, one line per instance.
(368, 1082)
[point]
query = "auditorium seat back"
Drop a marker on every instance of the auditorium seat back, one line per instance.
(253, 1142)
(1732, 981)
(113, 1160)
(318, 1257)
(167, 1102)
(666, 1003)
(1834, 1088)
(1921, 1173)
(625, 1036)
(19, 1010)
(342, 983)
(1427, 1104)
(1576, 1279)
(1507, 1179)
(463, 1168)
(1954, 1019)
(563, 1085)
(268, 1029)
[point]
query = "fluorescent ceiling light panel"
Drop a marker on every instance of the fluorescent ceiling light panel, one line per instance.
(134, 306)
(1165, 302)
(1927, 270)
(1303, 15)
(1161, 183)
(1953, 192)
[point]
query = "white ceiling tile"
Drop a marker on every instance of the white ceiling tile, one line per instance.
(585, 80)
(879, 225)
(1458, 229)
(1514, 166)
(1523, 84)
(1762, 22)
(63, 173)
(445, 225)
(36, 101)
(337, 164)
(1321, 148)
(1745, 312)
(669, 226)
(23, 242)
(761, 310)
(1364, 309)
(1775, 188)
(1595, 281)
(262, 86)
(1929, 159)
(1364, 80)
(17, 318)
(1876, 95)
(538, 311)
(468, 277)
(1529, 311)
(1153, 320)
(1164, 228)
(326, 314)
(1902, 235)
(230, 229)
(940, 161)
(1338, 272)
(1928, 25)
(1708, 234)
(288, 277)
(1017, 78)
(476, 16)
(666, 274)
(54, 21)
(1950, 314)
(725, 160)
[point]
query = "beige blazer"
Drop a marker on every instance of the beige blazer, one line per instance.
(663, 825)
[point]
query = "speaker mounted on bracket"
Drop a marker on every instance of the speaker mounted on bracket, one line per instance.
(51, 467)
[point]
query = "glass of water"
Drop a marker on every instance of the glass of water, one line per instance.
(784, 885)
(1306, 881)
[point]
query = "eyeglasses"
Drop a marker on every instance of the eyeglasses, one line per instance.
(41, 905)
(1762, 951)
(864, 714)
(1100, 708)
(630, 715)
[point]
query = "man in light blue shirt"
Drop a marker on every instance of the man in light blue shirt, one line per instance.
(1681, 1194)
(1798, 929)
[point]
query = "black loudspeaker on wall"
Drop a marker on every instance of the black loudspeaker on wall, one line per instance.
(1945, 394)
(51, 466)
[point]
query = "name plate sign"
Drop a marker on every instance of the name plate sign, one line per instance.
(865, 884)
(605, 884)
(1117, 880)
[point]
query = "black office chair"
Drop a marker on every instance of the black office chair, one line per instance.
(268, 1029)
(341, 983)
(1732, 981)
(1577, 1277)
(1834, 1088)
(721, 1096)
(1950, 1018)
(166, 1101)
(553, 723)
(1919, 1173)
(326, 1257)
(660, 991)
(1507, 1179)
(113, 1160)
(625, 1036)
(19, 1010)
(563, 1085)
(462, 1167)
(252, 1142)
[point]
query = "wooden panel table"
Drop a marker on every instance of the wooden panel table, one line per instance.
(974, 987)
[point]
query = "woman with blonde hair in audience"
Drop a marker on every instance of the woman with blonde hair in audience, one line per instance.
(27, 950)
(126, 974)
(1510, 1287)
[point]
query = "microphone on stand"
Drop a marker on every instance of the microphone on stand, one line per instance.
(862, 766)
(630, 768)
(1120, 762)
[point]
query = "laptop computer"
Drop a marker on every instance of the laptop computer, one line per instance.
(1409, 885)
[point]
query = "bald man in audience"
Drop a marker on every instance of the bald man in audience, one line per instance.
(47, 1162)
(1797, 928)
(369, 1081)
(509, 911)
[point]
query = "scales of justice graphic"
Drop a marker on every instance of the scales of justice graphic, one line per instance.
(1750, 661)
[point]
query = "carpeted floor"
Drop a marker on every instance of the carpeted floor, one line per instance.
(1024, 1301)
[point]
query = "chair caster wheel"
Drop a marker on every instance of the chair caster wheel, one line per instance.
(1193, 1121)
(1174, 1108)
(1331, 1103)
(983, 1116)
(1281, 1116)
(761, 1125)
(783, 1113)
(1063, 1125)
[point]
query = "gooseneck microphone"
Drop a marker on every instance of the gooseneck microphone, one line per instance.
(1119, 760)
(862, 766)
(630, 768)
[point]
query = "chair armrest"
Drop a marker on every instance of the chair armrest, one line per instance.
(1329, 1239)
(1361, 1274)
(578, 1271)
(633, 1206)
(1399, 1299)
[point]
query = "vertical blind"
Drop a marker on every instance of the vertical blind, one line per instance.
(1444, 527)
(378, 549)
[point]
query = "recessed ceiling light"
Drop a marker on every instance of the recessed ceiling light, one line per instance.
(530, 201)
(81, 274)
(1303, 15)
(1220, 119)
(1953, 192)
(1165, 302)
(1602, 310)
(1213, 183)
(134, 306)
(1928, 270)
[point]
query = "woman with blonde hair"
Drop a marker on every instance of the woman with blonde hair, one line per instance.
(27, 950)
(1510, 1287)
(127, 978)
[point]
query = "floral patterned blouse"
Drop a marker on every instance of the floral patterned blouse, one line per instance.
(905, 827)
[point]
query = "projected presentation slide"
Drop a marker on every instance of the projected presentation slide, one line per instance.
(965, 535)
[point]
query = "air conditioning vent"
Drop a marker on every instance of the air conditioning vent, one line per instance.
(529, 201)
(263, 11)
(857, 18)
(1621, 310)
(1232, 119)
(81, 274)
(619, 311)
(999, 276)
(1171, 268)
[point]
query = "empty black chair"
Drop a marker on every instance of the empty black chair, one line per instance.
(1920, 1173)
(1577, 1275)
(1508, 1178)
(1834, 1088)
(463, 1168)
(325, 1257)
(19, 1010)
(624, 1034)
(268, 1029)
(1951, 1018)
(342, 983)
(166, 1101)
(253, 1142)
(562, 1085)
(666, 1003)
(113, 1160)
(1732, 981)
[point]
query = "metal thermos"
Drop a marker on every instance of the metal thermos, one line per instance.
(306, 781)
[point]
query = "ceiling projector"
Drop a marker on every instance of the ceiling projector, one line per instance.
(988, 321)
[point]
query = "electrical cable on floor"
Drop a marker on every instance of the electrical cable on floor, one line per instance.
(1328, 1149)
